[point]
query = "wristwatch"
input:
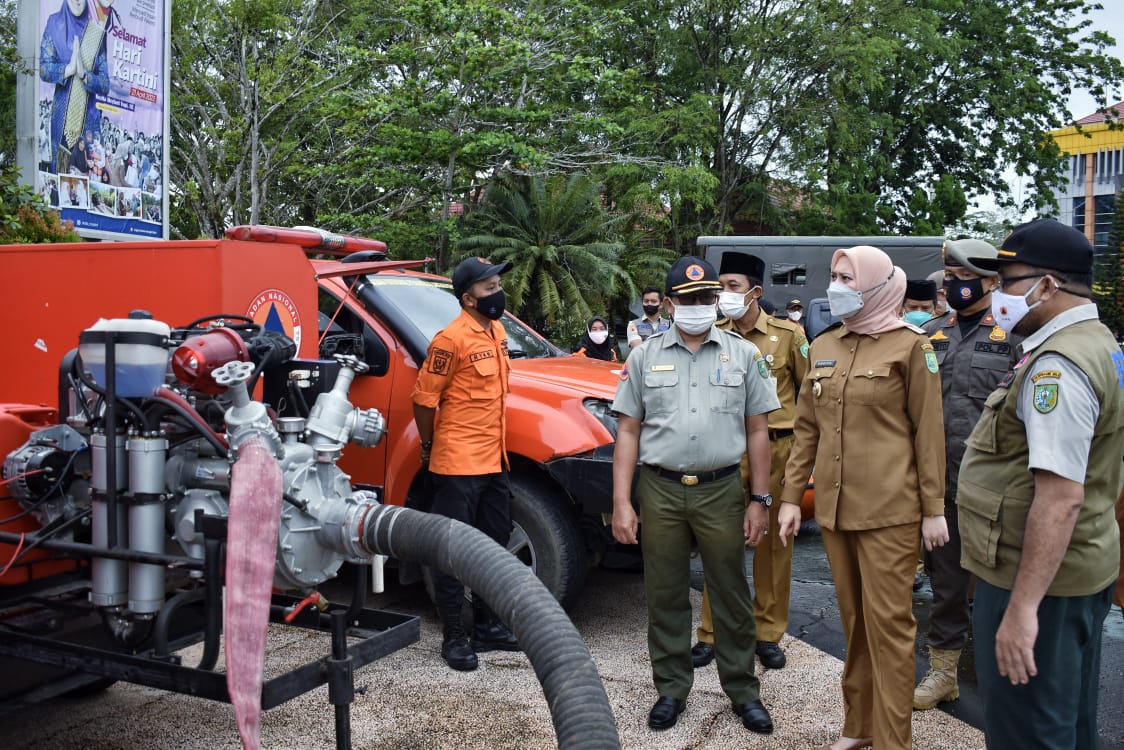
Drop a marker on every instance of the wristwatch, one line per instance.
(426, 444)
(766, 500)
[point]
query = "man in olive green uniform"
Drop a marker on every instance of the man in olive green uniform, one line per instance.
(785, 349)
(1040, 476)
(690, 402)
(974, 354)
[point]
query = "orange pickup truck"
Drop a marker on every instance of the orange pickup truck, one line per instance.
(561, 430)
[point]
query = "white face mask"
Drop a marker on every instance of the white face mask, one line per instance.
(732, 304)
(794, 316)
(842, 300)
(695, 319)
(1009, 309)
(598, 337)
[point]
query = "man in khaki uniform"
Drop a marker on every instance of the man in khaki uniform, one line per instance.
(785, 349)
(690, 402)
(1042, 471)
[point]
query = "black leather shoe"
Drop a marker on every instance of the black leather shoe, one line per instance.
(702, 653)
(495, 636)
(770, 655)
(666, 712)
(458, 654)
(754, 716)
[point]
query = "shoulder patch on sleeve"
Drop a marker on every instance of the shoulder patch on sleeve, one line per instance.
(1055, 374)
(440, 361)
(1045, 397)
(931, 361)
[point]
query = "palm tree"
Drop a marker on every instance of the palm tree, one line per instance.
(563, 244)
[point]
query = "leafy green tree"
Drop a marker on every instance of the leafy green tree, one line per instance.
(559, 238)
(24, 217)
(9, 66)
(937, 98)
(1108, 274)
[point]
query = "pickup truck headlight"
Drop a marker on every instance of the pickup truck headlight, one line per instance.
(602, 411)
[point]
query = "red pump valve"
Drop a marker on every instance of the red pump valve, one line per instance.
(197, 358)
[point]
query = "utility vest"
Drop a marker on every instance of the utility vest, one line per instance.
(996, 488)
(645, 328)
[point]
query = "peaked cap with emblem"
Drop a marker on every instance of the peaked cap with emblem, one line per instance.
(691, 274)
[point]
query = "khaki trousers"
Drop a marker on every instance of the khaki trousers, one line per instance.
(873, 574)
(772, 565)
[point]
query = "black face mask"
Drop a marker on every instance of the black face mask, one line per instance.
(963, 294)
(492, 305)
(651, 310)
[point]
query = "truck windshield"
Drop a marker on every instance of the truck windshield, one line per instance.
(429, 305)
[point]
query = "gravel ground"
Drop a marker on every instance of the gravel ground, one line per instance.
(411, 700)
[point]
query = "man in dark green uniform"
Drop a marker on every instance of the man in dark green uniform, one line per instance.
(1040, 476)
(690, 402)
(973, 354)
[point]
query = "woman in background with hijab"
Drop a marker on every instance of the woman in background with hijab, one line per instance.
(72, 56)
(595, 343)
(869, 419)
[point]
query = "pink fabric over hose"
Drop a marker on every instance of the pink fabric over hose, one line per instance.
(255, 512)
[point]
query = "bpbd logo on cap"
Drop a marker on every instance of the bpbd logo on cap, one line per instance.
(694, 272)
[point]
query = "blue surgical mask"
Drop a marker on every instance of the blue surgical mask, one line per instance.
(917, 317)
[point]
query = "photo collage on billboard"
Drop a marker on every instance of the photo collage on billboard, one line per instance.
(100, 118)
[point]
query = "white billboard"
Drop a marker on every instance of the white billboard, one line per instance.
(100, 113)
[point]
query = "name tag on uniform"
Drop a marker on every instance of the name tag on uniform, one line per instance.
(663, 368)
(824, 363)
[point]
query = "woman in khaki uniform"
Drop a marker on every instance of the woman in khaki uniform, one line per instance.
(869, 419)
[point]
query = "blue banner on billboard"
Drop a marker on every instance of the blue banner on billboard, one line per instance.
(100, 115)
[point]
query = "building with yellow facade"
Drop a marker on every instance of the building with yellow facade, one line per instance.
(1096, 174)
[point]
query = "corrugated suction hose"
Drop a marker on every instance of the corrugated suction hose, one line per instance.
(578, 704)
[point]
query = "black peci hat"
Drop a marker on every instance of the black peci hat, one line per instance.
(1046, 243)
(691, 274)
(471, 270)
(921, 289)
(748, 265)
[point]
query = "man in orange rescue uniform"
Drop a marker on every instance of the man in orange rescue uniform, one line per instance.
(459, 406)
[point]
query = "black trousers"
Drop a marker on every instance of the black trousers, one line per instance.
(482, 501)
(949, 615)
(1057, 708)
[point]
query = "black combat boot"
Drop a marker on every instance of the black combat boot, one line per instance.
(456, 649)
(489, 634)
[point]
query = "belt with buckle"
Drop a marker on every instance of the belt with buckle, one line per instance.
(778, 434)
(691, 480)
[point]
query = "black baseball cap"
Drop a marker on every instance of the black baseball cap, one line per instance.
(748, 265)
(471, 270)
(921, 289)
(691, 274)
(1046, 243)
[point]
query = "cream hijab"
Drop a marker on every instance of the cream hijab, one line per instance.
(883, 288)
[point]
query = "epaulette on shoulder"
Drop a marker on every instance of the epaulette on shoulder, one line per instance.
(916, 329)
